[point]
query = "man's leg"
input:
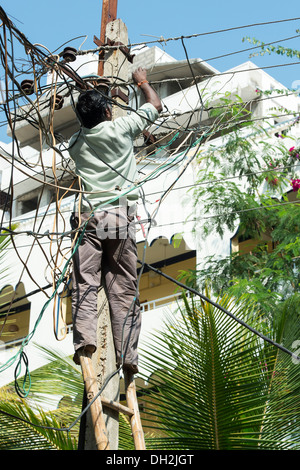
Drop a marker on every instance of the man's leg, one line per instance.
(86, 277)
(120, 273)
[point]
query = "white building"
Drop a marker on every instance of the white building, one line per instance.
(36, 259)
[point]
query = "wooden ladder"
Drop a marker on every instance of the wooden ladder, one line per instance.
(98, 419)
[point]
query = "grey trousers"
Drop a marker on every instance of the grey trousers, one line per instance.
(107, 254)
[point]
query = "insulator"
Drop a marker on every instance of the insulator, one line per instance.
(58, 102)
(27, 86)
(100, 83)
(103, 84)
(69, 54)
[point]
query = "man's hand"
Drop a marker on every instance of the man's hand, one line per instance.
(140, 78)
(139, 75)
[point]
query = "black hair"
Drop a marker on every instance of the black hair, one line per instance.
(91, 108)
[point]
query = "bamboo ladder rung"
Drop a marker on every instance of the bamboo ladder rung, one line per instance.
(114, 405)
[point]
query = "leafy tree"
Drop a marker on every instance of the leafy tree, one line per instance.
(245, 187)
(250, 185)
(272, 48)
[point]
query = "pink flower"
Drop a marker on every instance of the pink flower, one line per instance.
(295, 184)
(294, 152)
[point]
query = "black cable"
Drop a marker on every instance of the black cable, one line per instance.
(20, 390)
(194, 78)
(165, 40)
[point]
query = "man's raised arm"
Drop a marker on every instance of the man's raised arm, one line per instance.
(140, 78)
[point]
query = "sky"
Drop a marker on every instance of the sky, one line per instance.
(55, 23)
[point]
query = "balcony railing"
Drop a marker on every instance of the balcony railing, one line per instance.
(162, 301)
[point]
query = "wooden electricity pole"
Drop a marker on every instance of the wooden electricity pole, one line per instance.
(113, 63)
(109, 13)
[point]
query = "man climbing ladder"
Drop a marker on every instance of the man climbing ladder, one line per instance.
(104, 160)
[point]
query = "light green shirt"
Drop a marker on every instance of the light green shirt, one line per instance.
(104, 158)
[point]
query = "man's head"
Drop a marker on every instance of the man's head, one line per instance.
(92, 108)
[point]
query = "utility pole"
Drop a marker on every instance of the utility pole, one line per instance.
(109, 13)
(112, 63)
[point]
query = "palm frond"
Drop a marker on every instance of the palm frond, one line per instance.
(22, 428)
(214, 385)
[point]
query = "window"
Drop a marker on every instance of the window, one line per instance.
(28, 202)
(155, 290)
(29, 205)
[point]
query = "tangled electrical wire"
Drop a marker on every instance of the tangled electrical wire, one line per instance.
(34, 89)
(20, 107)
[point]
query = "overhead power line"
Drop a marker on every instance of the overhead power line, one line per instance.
(190, 36)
